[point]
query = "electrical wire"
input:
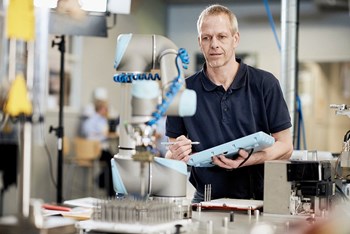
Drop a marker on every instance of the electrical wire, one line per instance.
(345, 149)
(300, 120)
(48, 153)
(49, 156)
(300, 125)
(342, 194)
(246, 159)
(272, 23)
(347, 136)
(174, 88)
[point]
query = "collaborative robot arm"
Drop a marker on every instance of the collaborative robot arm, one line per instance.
(152, 84)
(147, 95)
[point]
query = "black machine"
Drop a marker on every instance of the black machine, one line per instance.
(298, 187)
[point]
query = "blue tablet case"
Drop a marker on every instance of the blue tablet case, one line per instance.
(256, 141)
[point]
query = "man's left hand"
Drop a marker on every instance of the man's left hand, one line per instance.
(224, 162)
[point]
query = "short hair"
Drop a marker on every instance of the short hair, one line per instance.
(217, 9)
(99, 104)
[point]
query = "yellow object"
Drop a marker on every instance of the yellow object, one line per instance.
(21, 20)
(18, 101)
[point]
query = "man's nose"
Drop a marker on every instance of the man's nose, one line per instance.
(214, 42)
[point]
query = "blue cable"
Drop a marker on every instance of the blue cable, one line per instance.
(176, 84)
(272, 23)
(299, 109)
(300, 126)
(173, 89)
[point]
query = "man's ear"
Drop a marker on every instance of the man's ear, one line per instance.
(236, 38)
(199, 43)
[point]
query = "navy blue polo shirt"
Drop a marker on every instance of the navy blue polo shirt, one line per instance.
(254, 102)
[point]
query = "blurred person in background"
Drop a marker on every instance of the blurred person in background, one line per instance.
(95, 126)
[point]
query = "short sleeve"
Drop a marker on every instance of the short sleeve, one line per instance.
(276, 109)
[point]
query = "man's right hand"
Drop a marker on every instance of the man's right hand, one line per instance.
(180, 150)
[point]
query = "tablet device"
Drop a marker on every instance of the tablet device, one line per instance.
(256, 142)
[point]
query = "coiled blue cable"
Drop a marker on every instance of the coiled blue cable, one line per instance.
(176, 84)
(173, 89)
(129, 77)
(272, 23)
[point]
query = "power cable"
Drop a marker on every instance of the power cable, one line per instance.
(300, 125)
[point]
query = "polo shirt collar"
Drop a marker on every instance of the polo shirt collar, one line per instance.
(238, 82)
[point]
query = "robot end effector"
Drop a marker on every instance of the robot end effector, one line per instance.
(341, 109)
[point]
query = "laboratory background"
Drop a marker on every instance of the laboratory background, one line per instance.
(59, 70)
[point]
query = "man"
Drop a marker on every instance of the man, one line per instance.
(234, 100)
(96, 127)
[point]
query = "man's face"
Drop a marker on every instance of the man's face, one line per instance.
(217, 41)
(103, 111)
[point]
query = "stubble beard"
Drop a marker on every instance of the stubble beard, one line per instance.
(217, 63)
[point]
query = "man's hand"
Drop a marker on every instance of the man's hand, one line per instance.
(180, 150)
(281, 150)
(228, 163)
